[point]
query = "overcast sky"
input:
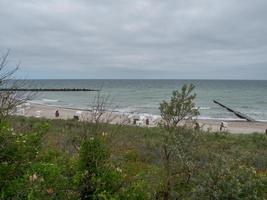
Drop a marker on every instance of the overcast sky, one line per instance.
(177, 39)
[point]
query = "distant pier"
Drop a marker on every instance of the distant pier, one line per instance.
(48, 89)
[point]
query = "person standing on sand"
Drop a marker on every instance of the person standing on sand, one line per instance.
(222, 126)
(57, 114)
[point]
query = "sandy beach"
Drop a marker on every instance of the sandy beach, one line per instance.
(45, 111)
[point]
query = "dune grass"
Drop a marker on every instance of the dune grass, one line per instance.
(134, 161)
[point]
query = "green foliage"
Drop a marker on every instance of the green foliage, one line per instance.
(181, 106)
(226, 180)
(136, 191)
(16, 153)
(93, 154)
(41, 127)
(98, 179)
(24, 174)
(40, 181)
(38, 162)
(176, 141)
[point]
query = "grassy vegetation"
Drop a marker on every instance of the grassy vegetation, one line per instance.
(58, 159)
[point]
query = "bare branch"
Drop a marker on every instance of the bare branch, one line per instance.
(9, 100)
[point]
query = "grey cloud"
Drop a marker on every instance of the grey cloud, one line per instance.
(136, 39)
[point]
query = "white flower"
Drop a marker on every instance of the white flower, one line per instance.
(119, 169)
(104, 134)
(33, 177)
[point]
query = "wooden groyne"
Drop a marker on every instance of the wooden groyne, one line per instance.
(48, 89)
(238, 114)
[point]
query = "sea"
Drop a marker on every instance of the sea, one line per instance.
(144, 96)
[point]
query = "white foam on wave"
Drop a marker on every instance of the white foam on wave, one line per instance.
(204, 108)
(154, 116)
(36, 102)
(125, 110)
(262, 120)
(50, 100)
(143, 115)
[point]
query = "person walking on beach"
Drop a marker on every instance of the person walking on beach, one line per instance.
(57, 114)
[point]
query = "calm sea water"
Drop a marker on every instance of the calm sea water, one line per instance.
(144, 96)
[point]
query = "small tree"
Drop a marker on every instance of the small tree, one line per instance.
(180, 107)
(175, 139)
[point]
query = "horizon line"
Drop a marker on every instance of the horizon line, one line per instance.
(190, 79)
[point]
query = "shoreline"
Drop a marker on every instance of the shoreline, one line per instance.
(127, 118)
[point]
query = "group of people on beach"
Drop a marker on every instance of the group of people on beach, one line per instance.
(223, 125)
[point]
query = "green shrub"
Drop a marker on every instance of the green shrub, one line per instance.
(22, 174)
(136, 191)
(98, 179)
(17, 151)
(226, 180)
(40, 181)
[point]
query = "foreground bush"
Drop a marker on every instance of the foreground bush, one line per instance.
(98, 179)
(17, 151)
(126, 163)
(226, 180)
(24, 173)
